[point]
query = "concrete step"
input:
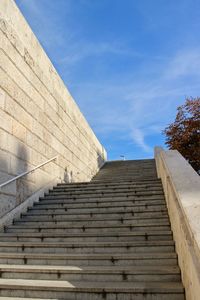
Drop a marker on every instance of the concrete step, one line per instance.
(127, 274)
(110, 178)
(102, 198)
(159, 220)
(91, 203)
(118, 169)
(119, 177)
(96, 217)
(100, 186)
(122, 170)
(49, 289)
(106, 215)
(79, 229)
(105, 190)
(126, 172)
(92, 237)
(106, 193)
(63, 259)
(92, 184)
(151, 181)
(99, 209)
(95, 204)
(88, 247)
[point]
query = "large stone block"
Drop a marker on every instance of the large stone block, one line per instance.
(2, 98)
(5, 161)
(5, 121)
(17, 112)
(7, 203)
(19, 131)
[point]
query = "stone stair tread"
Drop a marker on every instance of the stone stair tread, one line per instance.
(92, 269)
(101, 198)
(75, 206)
(87, 226)
(133, 287)
(64, 203)
(84, 194)
(114, 183)
(105, 190)
(106, 215)
(91, 256)
(90, 226)
(66, 213)
(88, 244)
(110, 233)
(138, 218)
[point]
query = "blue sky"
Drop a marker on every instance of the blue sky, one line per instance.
(127, 63)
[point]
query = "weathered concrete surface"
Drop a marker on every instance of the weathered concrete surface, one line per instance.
(15, 213)
(182, 191)
(107, 239)
(38, 117)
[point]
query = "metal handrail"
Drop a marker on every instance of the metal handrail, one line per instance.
(27, 172)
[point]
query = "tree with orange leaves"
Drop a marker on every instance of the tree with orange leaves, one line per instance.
(184, 133)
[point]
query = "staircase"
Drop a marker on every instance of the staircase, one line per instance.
(106, 239)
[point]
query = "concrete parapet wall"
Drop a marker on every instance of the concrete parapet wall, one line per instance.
(38, 117)
(182, 191)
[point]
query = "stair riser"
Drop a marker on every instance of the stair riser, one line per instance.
(128, 176)
(102, 185)
(88, 250)
(49, 294)
(106, 194)
(120, 189)
(75, 203)
(90, 239)
(91, 277)
(89, 262)
(129, 170)
(67, 223)
(100, 188)
(102, 199)
(88, 230)
(92, 215)
(119, 179)
(96, 210)
(99, 211)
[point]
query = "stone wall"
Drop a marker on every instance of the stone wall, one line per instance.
(38, 117)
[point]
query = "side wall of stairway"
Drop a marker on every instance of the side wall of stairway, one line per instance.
(38, 117)
(182, 192)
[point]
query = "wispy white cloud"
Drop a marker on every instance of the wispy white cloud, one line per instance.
(140, 110)
(86, 49)
(138, 137)
(184, 63)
